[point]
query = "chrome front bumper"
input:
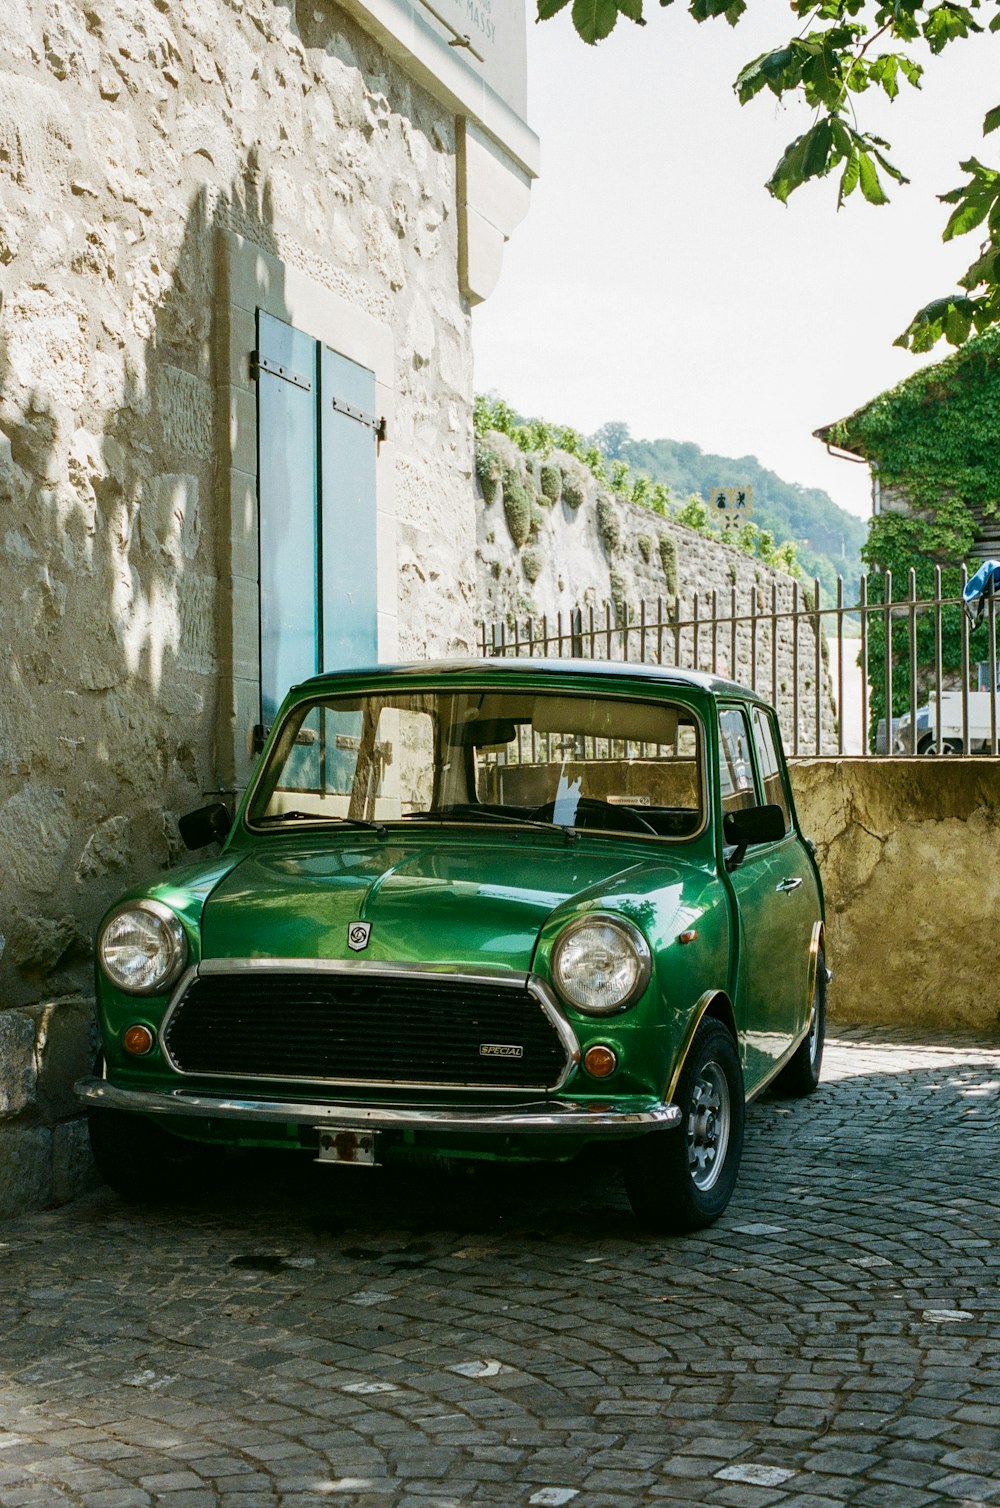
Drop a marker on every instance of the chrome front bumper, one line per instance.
(606, 1118)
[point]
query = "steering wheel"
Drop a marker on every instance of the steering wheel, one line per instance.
(601, 809)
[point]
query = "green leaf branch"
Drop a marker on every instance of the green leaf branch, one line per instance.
(835, 58)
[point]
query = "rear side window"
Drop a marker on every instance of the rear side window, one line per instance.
(736, 784)
(769, 762)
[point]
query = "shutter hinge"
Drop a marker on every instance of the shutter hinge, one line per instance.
(259, 363)
(368, 420)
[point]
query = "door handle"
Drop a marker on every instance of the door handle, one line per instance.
(787, 885)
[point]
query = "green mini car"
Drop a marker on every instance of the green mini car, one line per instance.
(496, 909)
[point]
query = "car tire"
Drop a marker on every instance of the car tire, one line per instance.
(801, 1074)
(931, 745)
(140, 1160)
(682, 1180)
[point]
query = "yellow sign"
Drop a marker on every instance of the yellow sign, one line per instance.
(733, 506)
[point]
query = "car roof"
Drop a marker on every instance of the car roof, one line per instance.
(500, 669)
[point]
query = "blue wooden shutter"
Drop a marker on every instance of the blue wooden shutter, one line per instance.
(348, 440)
(287, 461)
(316, 450)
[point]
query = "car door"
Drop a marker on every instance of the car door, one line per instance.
(775, 894)
(793, 867)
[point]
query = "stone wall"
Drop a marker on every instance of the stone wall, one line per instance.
(132, 136)
(542, 554)
(908, 851)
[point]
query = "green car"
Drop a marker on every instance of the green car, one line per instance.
(495, 909)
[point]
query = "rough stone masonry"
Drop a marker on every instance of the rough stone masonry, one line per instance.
(132, 136)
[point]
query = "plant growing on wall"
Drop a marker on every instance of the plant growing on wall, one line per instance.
(488, 471)
(572, 492)
(617, 589)
(517, 506)
(936, 434)
(551, 480)
(936, 437)
(668, 560)
(532, 563)
(608, 525)
(902, 542)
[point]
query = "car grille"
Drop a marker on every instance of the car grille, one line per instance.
(350, 1028)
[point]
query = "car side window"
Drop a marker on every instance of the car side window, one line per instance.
(736, 781)
(769, 763)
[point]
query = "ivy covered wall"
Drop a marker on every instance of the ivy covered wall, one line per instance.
(934, 445)
(936, 438)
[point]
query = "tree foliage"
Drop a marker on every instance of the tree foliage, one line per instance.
(936, 438)
(843, 49)
(611, 437)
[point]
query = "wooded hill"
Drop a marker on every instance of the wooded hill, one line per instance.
(827, 538)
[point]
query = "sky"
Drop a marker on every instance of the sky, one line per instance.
(656, 281)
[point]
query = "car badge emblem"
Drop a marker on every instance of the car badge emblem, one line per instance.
(358, 934)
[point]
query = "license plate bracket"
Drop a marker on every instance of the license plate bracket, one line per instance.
(347, 1146)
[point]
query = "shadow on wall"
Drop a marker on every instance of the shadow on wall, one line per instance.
(113, 563)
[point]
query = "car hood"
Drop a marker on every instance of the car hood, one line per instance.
(455, 901)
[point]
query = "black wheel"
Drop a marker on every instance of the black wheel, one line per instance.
(931, 745)
(800, 1076)
(143, 1162)
(682, 1180)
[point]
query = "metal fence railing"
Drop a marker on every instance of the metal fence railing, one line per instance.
(830, 669)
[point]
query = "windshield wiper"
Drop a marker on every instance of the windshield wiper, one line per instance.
(377, 827)
(477, 814)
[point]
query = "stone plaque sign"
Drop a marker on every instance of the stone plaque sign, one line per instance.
(733, 507)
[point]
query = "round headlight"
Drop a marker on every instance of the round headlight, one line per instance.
(142, 947)
(601, 964)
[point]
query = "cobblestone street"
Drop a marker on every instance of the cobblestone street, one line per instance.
(510, 1337)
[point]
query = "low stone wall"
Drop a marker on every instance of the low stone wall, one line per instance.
(909, 851)
(44, 1150)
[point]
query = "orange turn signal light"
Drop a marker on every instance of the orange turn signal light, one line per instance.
(138, 1040)
(600, 1061)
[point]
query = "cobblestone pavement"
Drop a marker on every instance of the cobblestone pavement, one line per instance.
(359, 1338)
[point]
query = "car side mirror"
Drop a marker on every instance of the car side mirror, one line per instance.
(206, 824)
(751, 825)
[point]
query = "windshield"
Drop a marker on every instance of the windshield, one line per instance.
(572, 761)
